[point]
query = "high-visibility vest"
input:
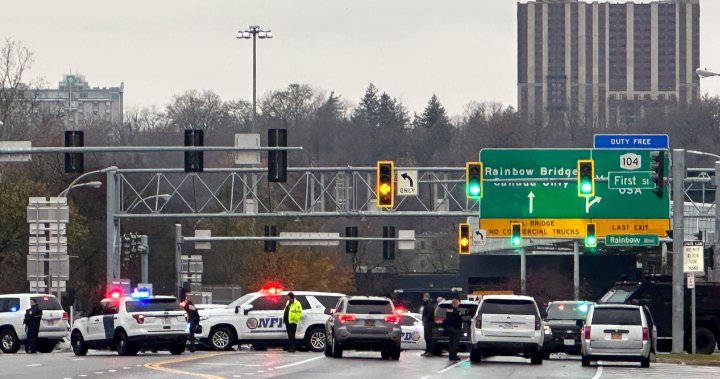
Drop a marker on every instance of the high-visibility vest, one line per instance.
(295, 312)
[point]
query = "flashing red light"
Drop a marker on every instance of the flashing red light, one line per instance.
(400, 310)
(272, 288)
(392, 318)
(345, 318)
(561, 307)
(45, 298)
(115, 294)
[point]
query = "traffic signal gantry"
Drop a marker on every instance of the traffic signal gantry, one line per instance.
(385, 185)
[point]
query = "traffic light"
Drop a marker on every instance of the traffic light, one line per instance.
(389, 242)
(270, 245)
(74, 162)
(193, 159)
(351, 246)
(657, 167)
(515, 234)
(464, 239)
(586, 177)
(590, 238)
(277, 159)
(473, 180)
(385, 186)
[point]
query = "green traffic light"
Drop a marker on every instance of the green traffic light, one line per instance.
(474, 189)
(516, 240)
(590, 241)
(586, 187)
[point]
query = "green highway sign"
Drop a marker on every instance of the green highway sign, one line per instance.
(516, 184)
(632, 240)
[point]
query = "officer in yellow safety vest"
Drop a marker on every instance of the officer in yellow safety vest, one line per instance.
(291, 318)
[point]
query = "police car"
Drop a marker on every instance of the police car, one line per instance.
(53, 325)
(127, 324)
(257, 318)
(412, 331)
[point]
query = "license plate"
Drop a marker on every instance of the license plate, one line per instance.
(370, 323)
(507, 325)
(616, 336)
(569, 342)
(166, 321)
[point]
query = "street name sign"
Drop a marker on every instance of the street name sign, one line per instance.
(693, 259)
(631, 141)
(407, 182)
(632, 240)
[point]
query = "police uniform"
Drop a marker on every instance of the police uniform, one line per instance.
(193, 318)
(453, 328)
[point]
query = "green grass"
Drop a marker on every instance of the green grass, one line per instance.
(691, 357)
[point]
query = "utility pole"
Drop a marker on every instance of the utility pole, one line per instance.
(678, 219)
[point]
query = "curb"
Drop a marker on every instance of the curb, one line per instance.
(688, 362)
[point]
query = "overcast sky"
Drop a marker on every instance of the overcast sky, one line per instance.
(461, 50)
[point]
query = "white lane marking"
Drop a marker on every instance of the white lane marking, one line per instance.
(451, 367)
(425, 377)
(126, 368)
(78, 359)
(236, 376)
(99, 372)
(112, 370)
(598, 373)
(260, 371)
(229, 364)
(299, 363)
(34, 365)
(83, 375)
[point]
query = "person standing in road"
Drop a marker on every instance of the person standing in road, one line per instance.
(291, 318)
(453, 328)
(33, 315)
(428, 318)
(193, 319)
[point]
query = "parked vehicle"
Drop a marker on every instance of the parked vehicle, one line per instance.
(53, 326)
(562, 317)
(440, 340)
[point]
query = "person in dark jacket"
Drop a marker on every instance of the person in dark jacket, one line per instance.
(428, 318)
(33, 315)
(453, 328)
(193, 318)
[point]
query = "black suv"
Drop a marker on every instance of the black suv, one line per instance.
(562, 317)
(440, 340)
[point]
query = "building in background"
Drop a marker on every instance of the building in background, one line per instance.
(79, 102)
(605, 64)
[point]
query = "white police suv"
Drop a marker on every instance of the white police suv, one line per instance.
(53, 325)
(127, 324)
(257, 318)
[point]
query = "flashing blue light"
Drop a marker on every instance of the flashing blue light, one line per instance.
(140, 294)
(583, 308)
(14, 309)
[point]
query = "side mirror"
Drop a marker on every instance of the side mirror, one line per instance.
(329, 311)
(580, 323)
(247, 308)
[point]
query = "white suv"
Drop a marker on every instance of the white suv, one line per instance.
(130, 323)
(53, 326)
(507, 325)
(257, 318)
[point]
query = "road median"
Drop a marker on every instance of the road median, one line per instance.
(690, 359)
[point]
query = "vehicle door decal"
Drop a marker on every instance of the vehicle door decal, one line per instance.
(109, 326)
(264, 324)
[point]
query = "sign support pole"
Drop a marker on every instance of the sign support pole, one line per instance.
(576, 269)
(523, 271)
(692, 330)
(716, 242)
(678, 221)
(178, 262)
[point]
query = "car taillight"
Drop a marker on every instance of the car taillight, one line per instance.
(139, 318)
(392, 318)
(65, 316)
(345, 318)
(646, 334)
(586, 332)
(478, 322)
(538, 324)
(439, 319)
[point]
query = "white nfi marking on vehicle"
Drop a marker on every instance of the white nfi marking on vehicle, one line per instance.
(598, 373)
(299, 363)
(451, 366)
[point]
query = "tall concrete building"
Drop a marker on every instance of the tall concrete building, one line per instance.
(79, 102)
(604, 63)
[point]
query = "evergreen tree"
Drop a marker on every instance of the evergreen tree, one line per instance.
(366, 113)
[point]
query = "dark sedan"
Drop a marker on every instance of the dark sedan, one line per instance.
(562, 318)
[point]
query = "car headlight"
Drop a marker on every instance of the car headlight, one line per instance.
(547, 329)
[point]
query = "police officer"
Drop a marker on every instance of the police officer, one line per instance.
(453, 328)
(33, 315)
(193, 318)
(428, 317)
(291, 318)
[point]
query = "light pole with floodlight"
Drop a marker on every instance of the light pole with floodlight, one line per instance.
(254, 32)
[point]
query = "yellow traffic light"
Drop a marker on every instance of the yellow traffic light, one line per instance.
(464, 239)
(385, 184)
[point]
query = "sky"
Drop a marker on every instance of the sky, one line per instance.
(460, 50)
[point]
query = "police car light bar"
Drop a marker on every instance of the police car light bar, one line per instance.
(140, 294)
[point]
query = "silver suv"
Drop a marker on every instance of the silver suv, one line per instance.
(363, 323)
(615, 332)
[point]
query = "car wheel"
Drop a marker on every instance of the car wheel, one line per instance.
(704, 341)
(46, 346)
(536, 358)
(328, 349)
(437, 350)
(9, 343)
(475, 355)
(78, 344)
(395, 353)
(122, 344)
(384, 354)
(645, 362)
(315, 339)
(337, 350)
(221, 338)
(177, 349)
(585, 361)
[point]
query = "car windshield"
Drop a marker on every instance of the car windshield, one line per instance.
(616, 316)
(508, 307)
(617, 294)
(242, 300)
(152, 305)
(48, 303)
(567, 311)
(370, 307)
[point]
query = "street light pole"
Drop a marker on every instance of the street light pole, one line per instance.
(254, 32)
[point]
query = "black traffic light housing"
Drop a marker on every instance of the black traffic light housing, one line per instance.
(516, 234)
(74, 162)
(464, 238)
(193, 159)
(271, 245)
(351, 246)
(590, 237)
(385, 186)
(586, 177)
(473, 180)
(389, 243)
(277, 159)
(657, 168)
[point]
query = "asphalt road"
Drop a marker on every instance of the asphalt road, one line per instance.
(278, 364)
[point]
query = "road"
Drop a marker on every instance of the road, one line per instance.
(278, 364)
